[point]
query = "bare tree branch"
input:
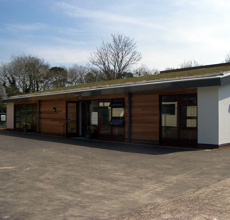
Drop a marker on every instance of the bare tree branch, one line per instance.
(115, 58)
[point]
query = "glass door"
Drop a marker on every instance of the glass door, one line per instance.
(104, 117)
(179, 119)
(169, 118)
(71, 121)
(188, 118)
(111, 119)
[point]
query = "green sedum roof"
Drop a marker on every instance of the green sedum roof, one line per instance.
(215, 69)
(179, 73)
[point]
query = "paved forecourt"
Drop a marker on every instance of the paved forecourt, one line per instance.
(45, 177)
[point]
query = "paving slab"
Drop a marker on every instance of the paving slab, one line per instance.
(44, 177)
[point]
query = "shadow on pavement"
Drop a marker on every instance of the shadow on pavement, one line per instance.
(107, 145)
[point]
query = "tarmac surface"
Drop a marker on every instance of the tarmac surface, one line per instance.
(208, 203)
(44, 177)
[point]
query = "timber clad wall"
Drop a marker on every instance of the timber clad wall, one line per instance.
(52, 122)
(145, 117)
(126, 117)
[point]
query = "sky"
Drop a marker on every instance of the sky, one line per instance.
(66, 32)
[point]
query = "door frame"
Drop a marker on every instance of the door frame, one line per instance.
(66, 122)
(178, 140)
(110, 136)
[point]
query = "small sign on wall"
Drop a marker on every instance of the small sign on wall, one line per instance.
(94, 118)
(3, 117)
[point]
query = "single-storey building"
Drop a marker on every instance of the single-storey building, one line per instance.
(185, 107)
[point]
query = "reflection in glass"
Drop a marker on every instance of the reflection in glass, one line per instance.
(188, 99)
(34, 117)
(111, 117)
(72, 115)
(118, 130)
(188, 111)
(169, 117)
(188, 134)
(118, 112)
(26, 116)
(179, 125)
(188, 123)
(104, 117)
(93, 110)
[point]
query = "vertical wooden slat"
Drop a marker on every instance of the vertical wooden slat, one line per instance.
(129, 117)
(80, 117)
(144, 117)
(38, 116)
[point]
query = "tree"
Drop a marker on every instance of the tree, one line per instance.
(58, 77)
(143, 70)
(189, 63)
(227, 58)
(115, 58)
(93, 75)
(24, 74)
(76, 74)
(128, 75)
(2, 95)
(8, 80)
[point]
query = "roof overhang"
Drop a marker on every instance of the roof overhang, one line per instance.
(192, 82)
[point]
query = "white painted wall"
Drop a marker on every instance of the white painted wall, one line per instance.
(208, 125)
(10, 116)
(224, 114)
(214, 115)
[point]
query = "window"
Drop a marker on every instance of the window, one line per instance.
(168, 109)
(104, 117)
(26, 117)
(117, 121)
(118, 112)
(111, 117)
(188, 99)
(117, 103)
(93, 113)
(2, 120)
(179, 118)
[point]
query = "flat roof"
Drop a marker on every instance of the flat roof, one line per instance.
(216, 75)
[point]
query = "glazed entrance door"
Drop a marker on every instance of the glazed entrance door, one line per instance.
(169, 118)
(111, 119)
(179, 119)
(71, 120)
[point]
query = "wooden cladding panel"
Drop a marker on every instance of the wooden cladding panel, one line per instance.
(126, 116)
(145, 117)
(52, 122)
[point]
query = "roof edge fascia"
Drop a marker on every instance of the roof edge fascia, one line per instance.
(189, 82)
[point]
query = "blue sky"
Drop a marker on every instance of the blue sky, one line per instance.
(65, 32)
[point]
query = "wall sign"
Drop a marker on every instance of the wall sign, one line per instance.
(94, 118)
(3, 117)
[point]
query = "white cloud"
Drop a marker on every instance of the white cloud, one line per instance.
(54, 55)
(167, 32)
(96, 15)
(26, 27)
(61, 55)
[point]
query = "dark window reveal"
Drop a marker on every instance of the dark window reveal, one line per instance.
(168, 109)
(117, 121)
(117, 103)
